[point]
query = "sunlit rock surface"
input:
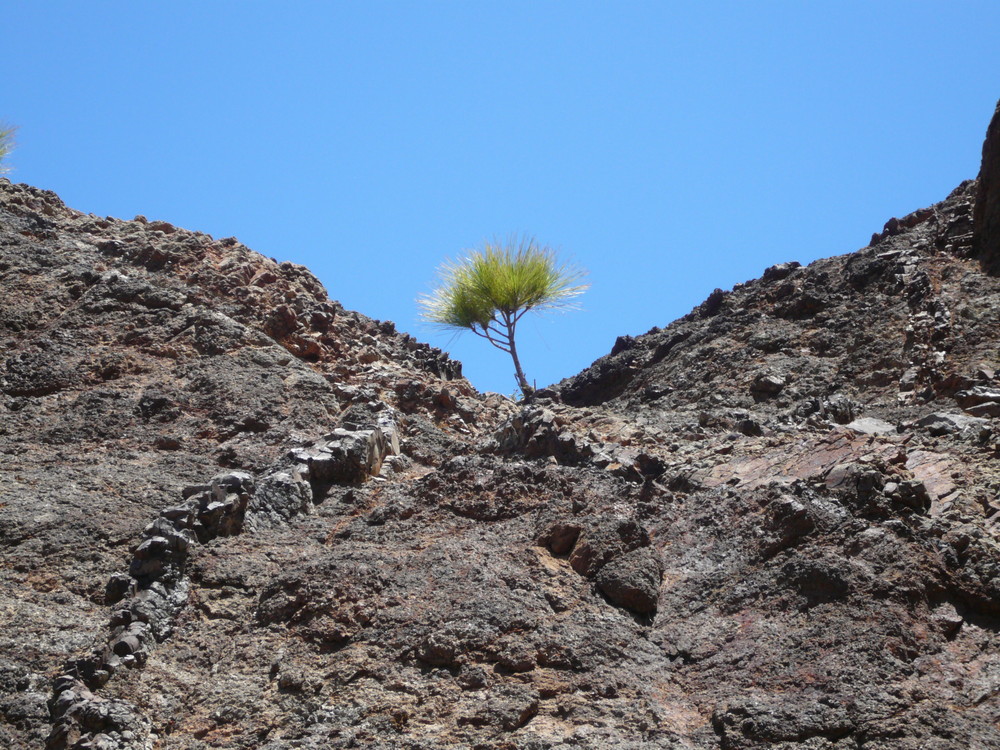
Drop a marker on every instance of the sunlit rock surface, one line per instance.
(235, 515)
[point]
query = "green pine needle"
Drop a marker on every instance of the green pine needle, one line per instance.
(500, 279)
(489, 290)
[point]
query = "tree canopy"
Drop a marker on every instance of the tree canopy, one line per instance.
(490, 289)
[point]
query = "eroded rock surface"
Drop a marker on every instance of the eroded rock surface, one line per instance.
(235, 515)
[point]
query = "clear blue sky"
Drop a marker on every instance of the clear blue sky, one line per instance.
(669, 147)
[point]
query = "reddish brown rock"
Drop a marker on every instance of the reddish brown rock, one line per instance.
(234, 514)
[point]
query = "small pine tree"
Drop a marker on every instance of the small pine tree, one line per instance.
(6, 145)
(491, 289)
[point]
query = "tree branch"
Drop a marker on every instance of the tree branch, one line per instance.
(485, 334)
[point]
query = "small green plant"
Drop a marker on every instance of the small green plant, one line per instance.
(6, 145)
(489, 291)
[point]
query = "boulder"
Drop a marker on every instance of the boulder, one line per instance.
(632, 581)
(948, 423)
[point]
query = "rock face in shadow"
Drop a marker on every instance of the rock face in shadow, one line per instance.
(234, 514)
(987, 213)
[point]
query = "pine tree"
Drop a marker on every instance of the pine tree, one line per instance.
(489, 291)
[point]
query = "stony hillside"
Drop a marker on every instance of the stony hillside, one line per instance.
(235, 515)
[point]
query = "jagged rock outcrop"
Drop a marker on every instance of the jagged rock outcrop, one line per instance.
(986, 216)
(233, 514)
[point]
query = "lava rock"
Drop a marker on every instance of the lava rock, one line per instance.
(632, 581)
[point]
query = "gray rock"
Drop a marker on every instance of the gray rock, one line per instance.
(767, 384)
(872, 426)
(117, 588)
(990, 409)
(948, 423)
(279, 497)
(977, 395)
(780, 270)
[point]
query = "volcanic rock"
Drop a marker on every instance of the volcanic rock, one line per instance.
(986, 215)
(234, 514)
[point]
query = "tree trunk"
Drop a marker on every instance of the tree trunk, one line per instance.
(510, 322)
(522, 382)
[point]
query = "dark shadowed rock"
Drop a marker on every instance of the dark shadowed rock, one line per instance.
(632, 581)
(986, 216)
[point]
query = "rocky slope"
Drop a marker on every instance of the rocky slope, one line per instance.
(235, 515)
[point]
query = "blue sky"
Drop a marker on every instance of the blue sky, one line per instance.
(670, 148)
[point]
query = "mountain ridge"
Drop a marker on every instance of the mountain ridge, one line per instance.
(234, 514)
